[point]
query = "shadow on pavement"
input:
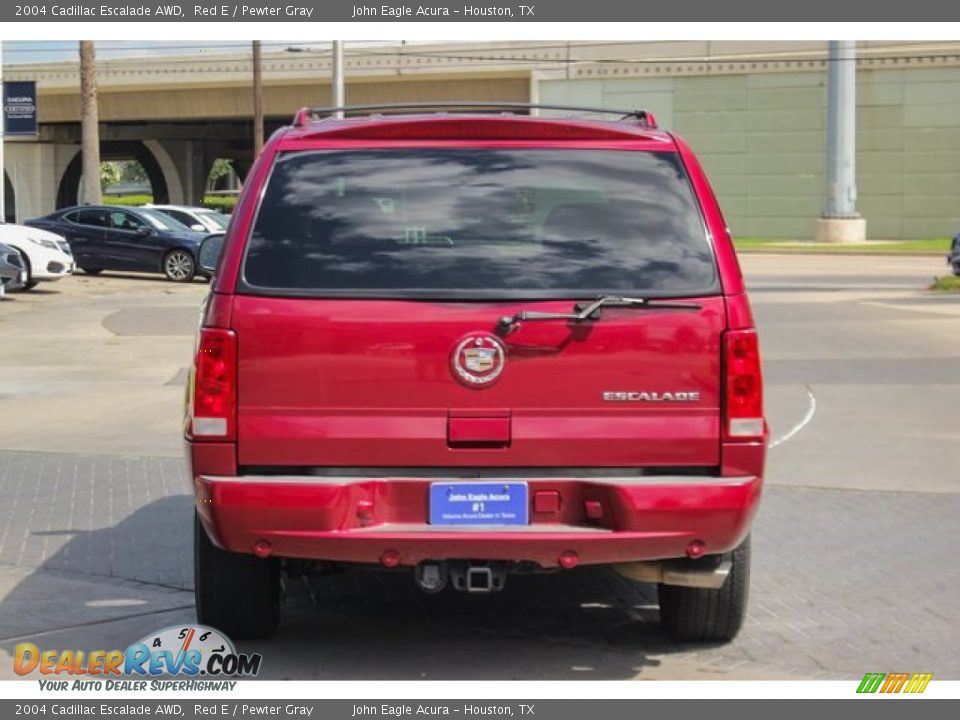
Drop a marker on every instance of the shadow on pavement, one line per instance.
(109, 587)
(146, 277)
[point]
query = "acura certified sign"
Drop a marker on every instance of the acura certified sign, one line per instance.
(20, 108)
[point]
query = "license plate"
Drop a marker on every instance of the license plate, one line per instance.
(478, 504)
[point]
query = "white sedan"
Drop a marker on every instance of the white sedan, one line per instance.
(196, 218)
(46, 255)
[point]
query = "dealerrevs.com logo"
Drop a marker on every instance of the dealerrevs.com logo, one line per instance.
(181, 651)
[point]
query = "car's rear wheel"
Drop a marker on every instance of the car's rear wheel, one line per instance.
(178, 266)
(705, 615)
(235, 592)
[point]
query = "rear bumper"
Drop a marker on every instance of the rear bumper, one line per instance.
(365, 520)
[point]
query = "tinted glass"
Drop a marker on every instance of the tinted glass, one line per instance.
(120, 220)
(183, 218)
(215, 219)
(97, 218)
(480, 223)
(161, 221)
(180, 217)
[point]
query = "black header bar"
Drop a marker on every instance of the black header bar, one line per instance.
(484, 11)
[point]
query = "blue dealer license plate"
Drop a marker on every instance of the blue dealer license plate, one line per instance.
(478, 504)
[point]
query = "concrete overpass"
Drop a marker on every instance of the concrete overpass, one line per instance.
(753, 111)
(176, 115)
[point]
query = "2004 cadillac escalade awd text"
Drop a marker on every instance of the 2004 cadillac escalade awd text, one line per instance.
(471, 345)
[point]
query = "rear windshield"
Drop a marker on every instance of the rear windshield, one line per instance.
(479, 223)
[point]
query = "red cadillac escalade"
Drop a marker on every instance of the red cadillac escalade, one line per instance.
(473, 344)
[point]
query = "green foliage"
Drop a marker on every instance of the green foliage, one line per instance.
(221, 168)
(109, 174)
(223, 203)
(132, 172)
(130, 200)
(946, 283)
(928, 246)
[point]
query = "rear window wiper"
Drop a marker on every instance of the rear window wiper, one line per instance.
(590, 310)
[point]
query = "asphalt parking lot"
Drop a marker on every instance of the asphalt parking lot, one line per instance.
(854, 566)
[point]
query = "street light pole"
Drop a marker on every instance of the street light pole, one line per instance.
(338, 94)
(257, 101)
(841, 198)
(840, 221)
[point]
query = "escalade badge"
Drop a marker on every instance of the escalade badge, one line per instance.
(478, 360)
(644, 396)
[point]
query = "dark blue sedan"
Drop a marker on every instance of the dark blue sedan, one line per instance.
(953, 259)
(105, 237)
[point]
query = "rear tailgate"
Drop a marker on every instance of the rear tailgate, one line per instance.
(370, 383)
(367, 269)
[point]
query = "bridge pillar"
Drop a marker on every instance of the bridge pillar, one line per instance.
(192, 160)
(34, 170)
(171, 173)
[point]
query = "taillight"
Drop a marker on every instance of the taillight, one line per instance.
(743, 385)
(215, 385)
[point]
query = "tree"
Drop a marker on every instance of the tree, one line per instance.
(132, 172)
(90, 132)
(109, 174)
(221, 169)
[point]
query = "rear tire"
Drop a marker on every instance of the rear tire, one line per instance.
(179, 266)
(705, 615)
(236, 593)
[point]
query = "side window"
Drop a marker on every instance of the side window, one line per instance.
(96, 218)
(120, 220)
(181, 217)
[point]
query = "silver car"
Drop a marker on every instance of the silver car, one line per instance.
(13, 275)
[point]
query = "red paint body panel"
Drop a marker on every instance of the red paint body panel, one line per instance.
(461, 430)
(367, 383)
(348, 382)
(642, 521)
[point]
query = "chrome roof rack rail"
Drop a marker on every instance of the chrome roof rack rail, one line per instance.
(305, 115)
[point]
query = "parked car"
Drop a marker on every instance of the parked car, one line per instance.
(13, 275)
(953, 259)
(105, 237)
(470, 346)
(46, 255)
(196, 218)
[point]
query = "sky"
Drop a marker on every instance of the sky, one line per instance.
(15, 52)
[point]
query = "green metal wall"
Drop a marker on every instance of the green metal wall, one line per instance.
(762, 140)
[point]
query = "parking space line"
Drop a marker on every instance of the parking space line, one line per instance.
(811, 411)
